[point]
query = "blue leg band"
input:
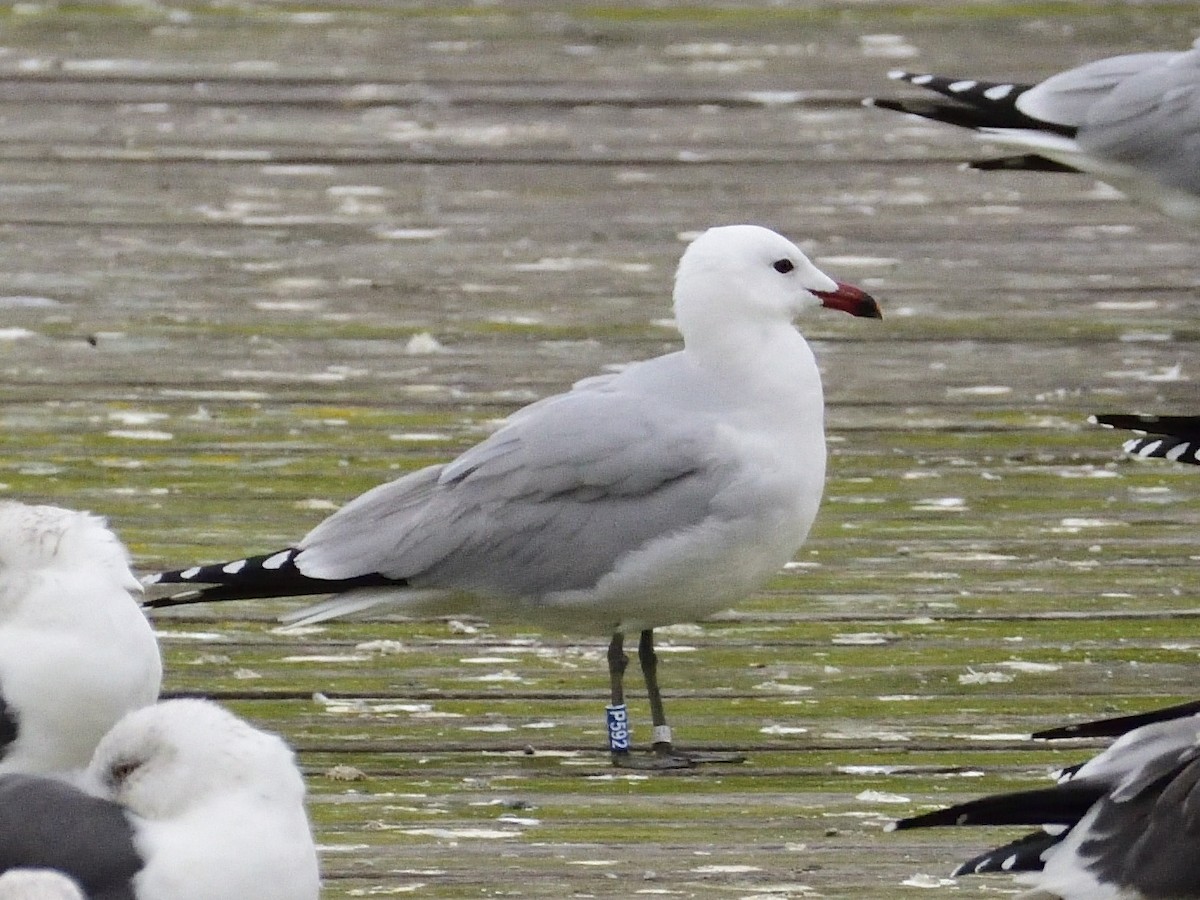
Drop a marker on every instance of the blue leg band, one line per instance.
(618, 727)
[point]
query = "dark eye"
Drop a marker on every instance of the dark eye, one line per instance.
(120, 770)
(782, 266)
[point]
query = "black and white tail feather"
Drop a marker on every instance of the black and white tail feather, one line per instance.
(1176, 438)
(257, 578)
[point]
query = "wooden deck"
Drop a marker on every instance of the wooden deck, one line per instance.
(258, 257)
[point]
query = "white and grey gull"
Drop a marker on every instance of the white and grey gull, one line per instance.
(76, 652)
(659, 494)
(1132, 121)
(182, 801)
(1121, 826)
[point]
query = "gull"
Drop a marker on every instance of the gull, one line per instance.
(76, 652)
(655, 495)
(1132, 121)
(1175, 438)
(1121, 826)
(182, 801)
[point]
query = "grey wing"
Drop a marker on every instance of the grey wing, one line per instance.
(547, 503)
(1147, 842)
(1068, 97)
(1152, 121)
(49, 824)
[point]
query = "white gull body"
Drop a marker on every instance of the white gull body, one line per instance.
(76, 652)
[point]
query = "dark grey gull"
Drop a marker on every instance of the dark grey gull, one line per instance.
(182, 801)
(76, 652)
(1133, 121)
(658, 494)
(1122, 826)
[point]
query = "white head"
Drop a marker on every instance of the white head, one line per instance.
(738, 274)
(38, 541)
(163, 761)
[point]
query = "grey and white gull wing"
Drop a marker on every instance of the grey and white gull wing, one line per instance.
(1133, 121)
(658, 494)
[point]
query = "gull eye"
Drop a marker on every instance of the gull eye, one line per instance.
(120, 771)
(782, 266)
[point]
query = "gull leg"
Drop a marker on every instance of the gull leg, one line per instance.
(664, 749)
(618, 719)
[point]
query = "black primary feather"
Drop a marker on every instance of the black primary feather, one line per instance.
(1176, 438)
(1062, 804)
(1025, 854)
(1119, 725)
(255, 578)
(1025, 162)
(968, 103)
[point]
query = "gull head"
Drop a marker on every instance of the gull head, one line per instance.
(39, 542)
(163, 761)
(746, 273)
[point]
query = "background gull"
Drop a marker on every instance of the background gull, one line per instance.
(1133, 121)
(660, 494)
(1120, 825)
(1175, 438)
(76, 652)
(184, 801)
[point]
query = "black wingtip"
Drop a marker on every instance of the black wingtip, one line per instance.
(1186, 427)
(1025, 854)
(1025, 162)
(262, 577)
(1116, 726)
(968, 103)
(1175, 438)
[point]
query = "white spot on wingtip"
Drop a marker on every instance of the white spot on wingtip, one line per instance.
(897, 74)
(191, 573)
(999, 91)
(959, 86)
(1009, 863)
(277, 561)
(234, 567)
(921, 79)
(151, 579)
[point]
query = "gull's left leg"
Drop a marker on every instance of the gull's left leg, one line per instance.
(664, 748)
